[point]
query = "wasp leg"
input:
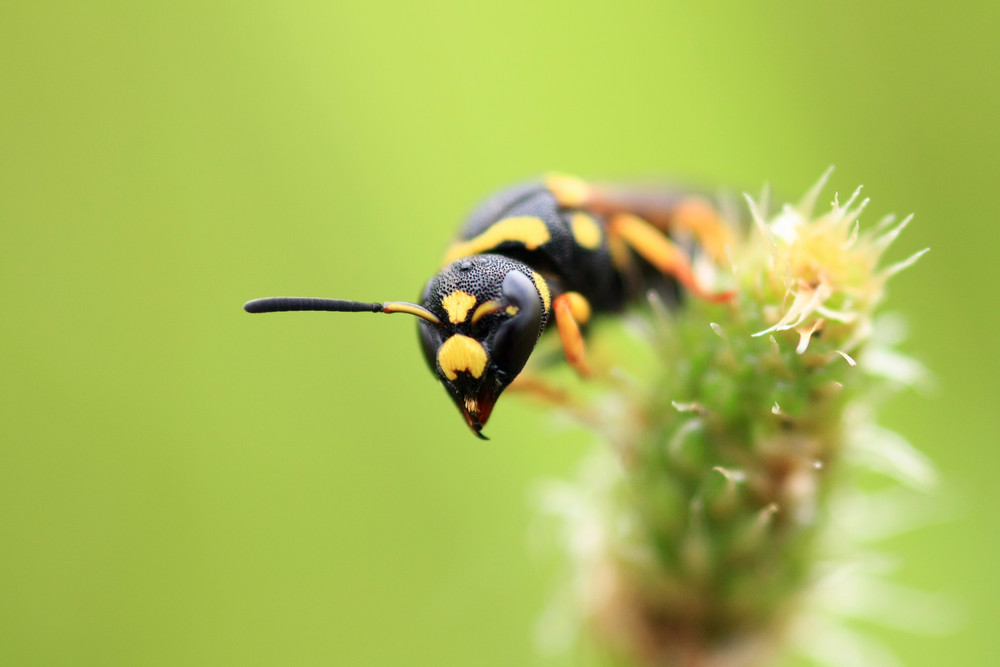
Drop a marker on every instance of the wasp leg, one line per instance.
(653, 246)
(572, 310)
(667, 210)
(528, 384)
(698, 217)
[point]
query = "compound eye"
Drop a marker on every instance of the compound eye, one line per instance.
(516, 338)
(430, 342)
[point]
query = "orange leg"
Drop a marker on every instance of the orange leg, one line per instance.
(571, 310)
(531, 385)
(640, 219)
(653, 246)
(667, 210)
(699, 217)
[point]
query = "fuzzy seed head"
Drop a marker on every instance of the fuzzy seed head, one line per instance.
(696, 536)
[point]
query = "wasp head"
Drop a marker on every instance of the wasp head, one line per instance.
(481, 318)
(491, 311)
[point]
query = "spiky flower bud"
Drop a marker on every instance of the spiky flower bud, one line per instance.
(695, 535)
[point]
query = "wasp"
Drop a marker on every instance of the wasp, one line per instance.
(559, 249)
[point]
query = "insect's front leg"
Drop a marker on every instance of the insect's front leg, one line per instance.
(573, 310)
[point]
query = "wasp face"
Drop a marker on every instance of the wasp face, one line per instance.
(491, 310)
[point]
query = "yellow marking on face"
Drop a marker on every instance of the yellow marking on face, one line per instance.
(527, 230)
(462, 353)
(512, 310)
(569, 191)
(543, 289)
(579, 307)
(457, 305)
(487, 308)
(586, 231)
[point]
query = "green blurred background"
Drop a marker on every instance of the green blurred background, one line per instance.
(181, 483)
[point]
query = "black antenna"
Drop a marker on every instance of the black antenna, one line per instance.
(280, 304)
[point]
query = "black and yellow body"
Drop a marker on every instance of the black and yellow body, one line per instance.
(556, 250)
